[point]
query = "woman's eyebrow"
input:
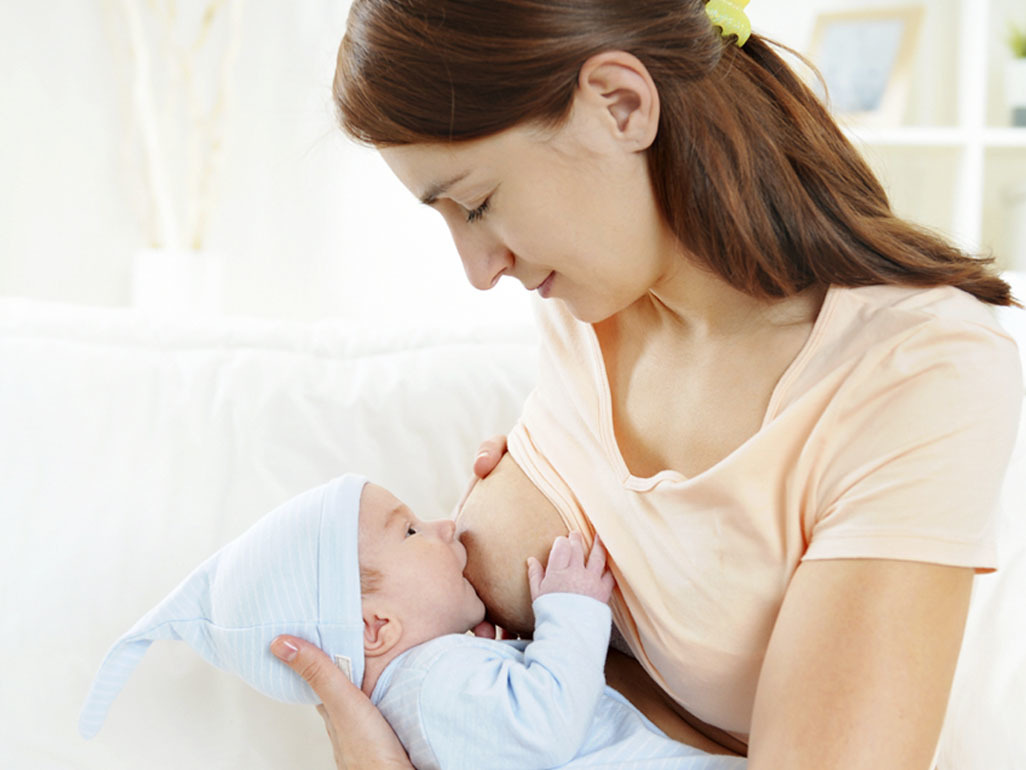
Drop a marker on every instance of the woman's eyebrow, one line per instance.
(437, 189)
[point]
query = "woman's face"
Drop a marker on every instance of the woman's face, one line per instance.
(569, 213)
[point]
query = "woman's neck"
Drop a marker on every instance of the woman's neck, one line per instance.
(702, 305)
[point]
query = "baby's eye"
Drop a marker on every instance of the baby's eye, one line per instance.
(410, 530)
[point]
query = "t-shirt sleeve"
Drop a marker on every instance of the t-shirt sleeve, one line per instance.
(915, 449)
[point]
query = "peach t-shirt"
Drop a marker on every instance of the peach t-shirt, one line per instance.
(887, 437)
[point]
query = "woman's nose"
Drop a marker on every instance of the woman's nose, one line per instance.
(484, 259)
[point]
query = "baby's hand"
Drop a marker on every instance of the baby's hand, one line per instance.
(566, 571)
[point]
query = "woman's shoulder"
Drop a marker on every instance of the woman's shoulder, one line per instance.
(890, 321)
(904, 340)
(886, 307)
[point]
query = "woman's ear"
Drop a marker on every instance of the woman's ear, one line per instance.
(620, 87)
(381, 632)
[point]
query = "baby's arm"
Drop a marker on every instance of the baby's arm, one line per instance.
(484, 708)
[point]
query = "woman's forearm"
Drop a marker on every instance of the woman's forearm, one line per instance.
(626, 676)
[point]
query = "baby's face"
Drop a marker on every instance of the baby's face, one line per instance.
(421, 566)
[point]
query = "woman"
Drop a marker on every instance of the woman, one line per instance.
(786, 411)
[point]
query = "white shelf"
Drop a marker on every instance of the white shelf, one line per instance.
(909, 137)
(1004, 137)
(955, 177)
(941, 136)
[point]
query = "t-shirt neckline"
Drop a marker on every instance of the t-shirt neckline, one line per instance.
(607, 434)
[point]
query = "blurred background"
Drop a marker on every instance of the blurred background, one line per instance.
(182, 155)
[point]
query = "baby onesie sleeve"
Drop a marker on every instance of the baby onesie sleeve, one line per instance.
(915, 450)
(481, 707)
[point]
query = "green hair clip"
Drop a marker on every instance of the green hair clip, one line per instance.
(729, 15)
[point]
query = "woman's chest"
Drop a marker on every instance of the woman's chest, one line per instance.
(701, 567)
(685, 408)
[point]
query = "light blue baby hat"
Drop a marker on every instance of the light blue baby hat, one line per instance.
(293, 572)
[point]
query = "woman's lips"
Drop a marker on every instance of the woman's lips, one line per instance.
(546, 286)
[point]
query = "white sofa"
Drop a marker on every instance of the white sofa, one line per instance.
(133, 447)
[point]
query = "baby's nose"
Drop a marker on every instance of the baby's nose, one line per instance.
(448, 529)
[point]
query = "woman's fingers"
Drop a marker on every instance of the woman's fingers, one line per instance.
(333, 687)
(488, 455)
(360, 736)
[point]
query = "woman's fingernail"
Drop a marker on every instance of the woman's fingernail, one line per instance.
(284, 650)
(483, 453)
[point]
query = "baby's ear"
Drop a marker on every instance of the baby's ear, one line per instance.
(381, 632)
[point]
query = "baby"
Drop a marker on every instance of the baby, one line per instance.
(351, 568)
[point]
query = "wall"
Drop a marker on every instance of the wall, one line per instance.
(308, 225)
(933, 101)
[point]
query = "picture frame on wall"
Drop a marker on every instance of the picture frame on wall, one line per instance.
(866, 58)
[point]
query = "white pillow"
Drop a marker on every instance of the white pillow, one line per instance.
(133, 448)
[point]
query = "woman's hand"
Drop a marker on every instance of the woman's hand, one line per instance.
(360, 736)
(488, 455)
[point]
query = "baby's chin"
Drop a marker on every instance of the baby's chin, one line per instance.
(475, 617)
(480, 612)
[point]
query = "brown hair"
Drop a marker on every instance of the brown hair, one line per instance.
(750, 171)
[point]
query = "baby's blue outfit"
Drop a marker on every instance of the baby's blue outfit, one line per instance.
(455, 702)
(460, 701)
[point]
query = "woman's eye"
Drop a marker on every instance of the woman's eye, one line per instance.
(476, 214)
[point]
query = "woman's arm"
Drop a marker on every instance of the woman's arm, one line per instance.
(625, 675)
(859, 667)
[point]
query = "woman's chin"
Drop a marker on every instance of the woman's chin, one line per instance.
(592, 312)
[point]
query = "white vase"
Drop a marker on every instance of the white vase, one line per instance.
(1015, 90)
(177, 281)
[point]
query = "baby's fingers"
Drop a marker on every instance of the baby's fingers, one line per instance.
(597, 557)
(535, 574)
(576, 550)
(559, 554)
